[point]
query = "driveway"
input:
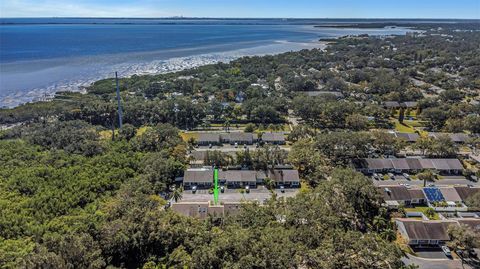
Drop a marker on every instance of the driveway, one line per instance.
(429, 253)
(424, 263)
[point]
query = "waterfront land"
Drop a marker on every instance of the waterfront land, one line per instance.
(313, 146)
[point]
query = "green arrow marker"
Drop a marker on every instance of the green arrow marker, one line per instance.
(215, 190)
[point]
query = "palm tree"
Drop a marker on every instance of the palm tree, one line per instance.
(388, 234)
(426, 176)
(177, 194)
(379, 222)
(269, 183)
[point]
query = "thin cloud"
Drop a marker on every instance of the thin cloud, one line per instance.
(29, 8)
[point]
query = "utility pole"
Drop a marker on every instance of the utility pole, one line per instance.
(119, 103)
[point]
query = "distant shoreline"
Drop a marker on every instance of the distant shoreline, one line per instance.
(171, 65)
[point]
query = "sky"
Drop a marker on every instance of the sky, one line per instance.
(459, 9)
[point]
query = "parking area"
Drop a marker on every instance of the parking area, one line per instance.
(235, 195)
(430, 253)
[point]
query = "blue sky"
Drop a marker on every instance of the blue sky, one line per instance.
(243, 8)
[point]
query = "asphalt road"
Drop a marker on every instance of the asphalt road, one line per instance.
(234, 195)
(425, 263)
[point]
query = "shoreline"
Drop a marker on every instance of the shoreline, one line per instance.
(152, 67)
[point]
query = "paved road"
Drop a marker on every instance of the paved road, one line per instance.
(235, 196)
(424, 263)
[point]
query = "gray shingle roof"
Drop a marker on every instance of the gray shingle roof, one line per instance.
(273, 137)
(450, 194)
(464, 191)
(400, 193)
(208, 138)
(410, 137)
(427, 230)
(284, 175)
(197, 176)
(414, 164)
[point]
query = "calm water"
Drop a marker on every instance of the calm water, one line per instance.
(39, 56)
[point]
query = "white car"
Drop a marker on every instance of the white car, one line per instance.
(194, 189)
(405, 175)
(247, 189)
(447, 251)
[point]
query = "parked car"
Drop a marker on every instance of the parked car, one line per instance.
(376, 176)
(447, 251)
(282, 188)
(222, 189)
(407, 176)
(247, 189)
(210, 146)
(194, 189)
(391, 176)
(236, 145)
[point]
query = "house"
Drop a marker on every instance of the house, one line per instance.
(203, 210)
(472, 223)
(285, 177)
(274, 138)
(239, 138)
(444, 199)
(401, 195)
(409, 137)
(410, 104)
(431, 233)
(450, 195)
(465, 191)
(205, 139)
(324, 93)
(391, 104)
(409, 165)
(424, 233)
(238, 178)
(202, 178)
(455, 137)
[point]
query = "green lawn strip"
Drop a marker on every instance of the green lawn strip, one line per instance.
(422, 209)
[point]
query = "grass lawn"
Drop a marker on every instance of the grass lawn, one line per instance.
(188, 136)
(403, 128)
(280, 128)
(422, 209)
(414, 123)
(408, 126)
